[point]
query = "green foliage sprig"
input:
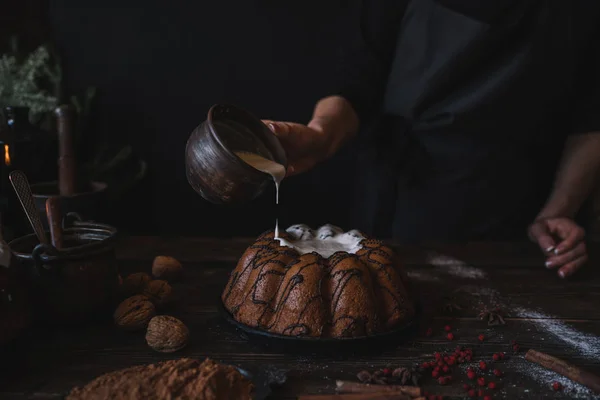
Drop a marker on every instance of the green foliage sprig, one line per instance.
(23, 81)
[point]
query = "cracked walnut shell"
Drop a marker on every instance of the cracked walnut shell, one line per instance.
(167, 268)
(159, 292)
(134, 313)
(135, 283)
(167, 334)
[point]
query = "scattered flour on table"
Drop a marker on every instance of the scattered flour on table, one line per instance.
(586, 344)
(423, 276)
(546, 378)
(455, 267)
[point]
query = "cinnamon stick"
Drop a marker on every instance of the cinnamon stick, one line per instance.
(565, 369)
(356, 387)
(358, 396)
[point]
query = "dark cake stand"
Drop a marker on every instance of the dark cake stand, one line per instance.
(326, 346)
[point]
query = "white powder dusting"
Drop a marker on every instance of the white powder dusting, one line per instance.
(455, 267)
(545, 378)
(423, 276)
(586, 344)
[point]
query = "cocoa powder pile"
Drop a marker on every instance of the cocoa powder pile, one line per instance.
(174, 379)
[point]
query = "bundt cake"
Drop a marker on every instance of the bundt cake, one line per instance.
(320, 284)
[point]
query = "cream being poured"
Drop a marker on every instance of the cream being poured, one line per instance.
(276, 170)
(326, 241)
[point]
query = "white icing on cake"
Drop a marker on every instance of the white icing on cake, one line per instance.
(326, 240)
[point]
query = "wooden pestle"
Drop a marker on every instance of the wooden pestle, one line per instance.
(66, 158)
(54, 221)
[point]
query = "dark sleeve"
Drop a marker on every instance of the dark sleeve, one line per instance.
(366, 57)
(586, 113)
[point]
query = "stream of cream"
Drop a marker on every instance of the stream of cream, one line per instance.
(276, 170)
(326, 240)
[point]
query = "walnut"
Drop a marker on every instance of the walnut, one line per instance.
(135, 283)
(159, 292)
(167, 334)
(134, 313)
(167, 268)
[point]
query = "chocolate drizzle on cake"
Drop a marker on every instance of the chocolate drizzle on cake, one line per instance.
(277, 289)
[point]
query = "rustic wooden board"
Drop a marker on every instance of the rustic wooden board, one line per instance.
(565, 323)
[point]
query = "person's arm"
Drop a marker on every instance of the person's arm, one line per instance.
(356, 87)
(554, 229)
(577, 176)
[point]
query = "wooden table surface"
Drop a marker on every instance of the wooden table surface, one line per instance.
(548, 314)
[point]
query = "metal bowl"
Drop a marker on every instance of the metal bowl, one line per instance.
(75, 283)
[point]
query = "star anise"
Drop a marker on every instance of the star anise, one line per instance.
(407, 376)
(452, 302)
(387, 376)
(493, 317)
(451, 306)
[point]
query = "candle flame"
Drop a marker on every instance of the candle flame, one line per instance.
(6, 155)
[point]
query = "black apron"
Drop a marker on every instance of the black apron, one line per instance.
(463, 148)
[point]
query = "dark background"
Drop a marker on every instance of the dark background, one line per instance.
(159, 66)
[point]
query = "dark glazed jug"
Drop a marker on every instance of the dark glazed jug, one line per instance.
(212, 167)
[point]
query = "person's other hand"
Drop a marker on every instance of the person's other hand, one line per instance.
(305, 146)
(563, 243)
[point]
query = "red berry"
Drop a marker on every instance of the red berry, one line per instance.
(447, 328)
(429, 332)
(471, 375)
(481, 337)
(439, 397)
(496, 356)
(437, 356)
(458, 349)
(501, 354)
(445, 368)
(425, 365)
(435, 373)
(466, 387)
(450, 336)
(488, 397)
(497, 372)
(481, 381)
(556, 386)
(515, 348)
(442, 380)
(451, 360)
(437, 368)
(387, 371)
(441, 363)
(482, 365)
(469, 358)
(492, 385)
(472, 393)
